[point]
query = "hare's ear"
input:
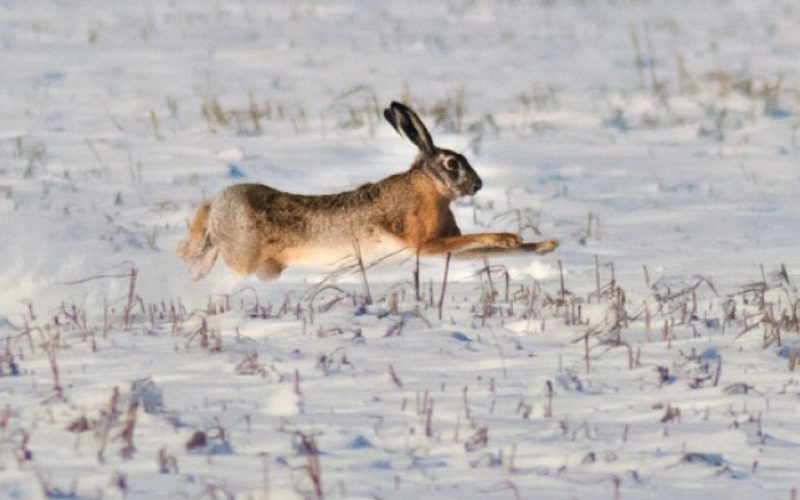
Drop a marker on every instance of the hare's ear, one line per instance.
(406, 122)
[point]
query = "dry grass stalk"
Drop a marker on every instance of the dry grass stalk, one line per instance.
(51, 349)
(249, 365)
(363, 272)
(429, 419)
(597, 276)
(524, 409)
(444, 284)
(671, 414)
(108, 418)
(128, 312)
(794, 359)
(548, 407)
(417, 295)
(128, 449)
(488, 271)
(297, 390)
(467, 412)
(586, 351)
(307, 445)
(480, 439)
(395, 330)
(167, 463)
(506, 485)
(395, 378)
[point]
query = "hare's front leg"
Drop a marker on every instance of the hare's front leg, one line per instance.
(467, 242)
(539, 247)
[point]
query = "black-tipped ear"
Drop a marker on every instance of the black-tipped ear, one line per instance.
(406, 122)
(387, 113)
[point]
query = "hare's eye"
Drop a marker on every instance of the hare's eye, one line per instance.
(451, 164)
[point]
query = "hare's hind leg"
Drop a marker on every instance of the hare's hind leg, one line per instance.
(203, 264)
(269, 269)
(197, 247)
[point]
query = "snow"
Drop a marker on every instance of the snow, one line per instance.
(672, 184)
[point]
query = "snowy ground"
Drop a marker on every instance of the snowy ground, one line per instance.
(657, 140)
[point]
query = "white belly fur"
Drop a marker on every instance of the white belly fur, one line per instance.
(340, 254)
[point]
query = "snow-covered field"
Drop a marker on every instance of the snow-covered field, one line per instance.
(651, 356)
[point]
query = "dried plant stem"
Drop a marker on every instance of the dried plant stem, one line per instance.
(395, 378)
(416, 278)
(597, 275)
(586, 351)
(103, 165)
(429, 419)
(444, 284)
(467, 412)
(51, 348)
(548, 409)
(128, 318)
(360, 262)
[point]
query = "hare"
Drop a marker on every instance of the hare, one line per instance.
(260, 230)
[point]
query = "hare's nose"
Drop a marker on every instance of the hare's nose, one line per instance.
(477, 186)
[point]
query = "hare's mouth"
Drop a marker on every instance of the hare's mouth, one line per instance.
(476, 186)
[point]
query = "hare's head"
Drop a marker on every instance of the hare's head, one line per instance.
(448, 169)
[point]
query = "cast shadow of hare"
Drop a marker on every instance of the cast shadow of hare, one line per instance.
(260, 230)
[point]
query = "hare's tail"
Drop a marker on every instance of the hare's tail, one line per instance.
(197, 248)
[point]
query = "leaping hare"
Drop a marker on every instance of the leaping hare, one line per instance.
(261, 230)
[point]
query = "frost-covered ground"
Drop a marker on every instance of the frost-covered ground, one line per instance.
(658, 140)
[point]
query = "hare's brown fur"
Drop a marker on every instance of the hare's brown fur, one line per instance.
(260, 230)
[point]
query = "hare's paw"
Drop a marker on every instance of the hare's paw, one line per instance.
(505, 240)
(546, 246)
